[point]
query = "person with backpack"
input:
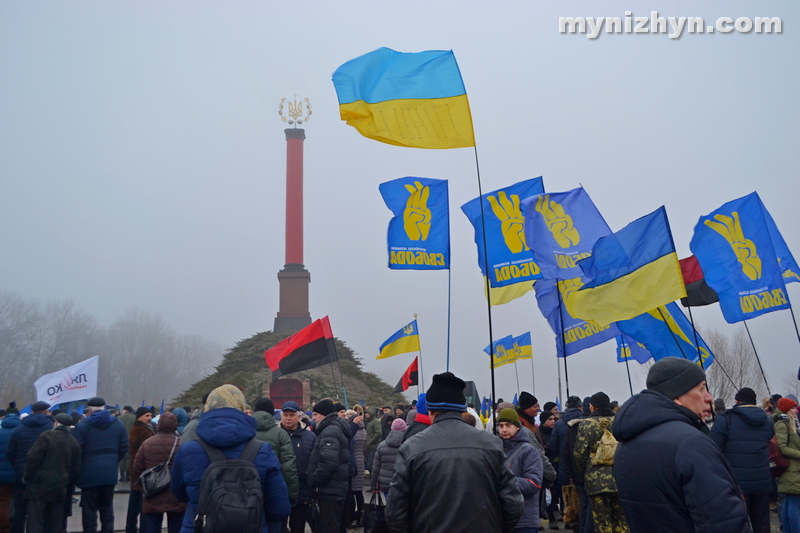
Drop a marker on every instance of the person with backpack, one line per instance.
(230, 480)
(526, 464)
(593, 457)
(789, 483)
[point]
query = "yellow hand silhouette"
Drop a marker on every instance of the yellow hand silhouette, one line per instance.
(558, 222)
(567, 287)
(512, 222)
(417, 216)
(745, 250)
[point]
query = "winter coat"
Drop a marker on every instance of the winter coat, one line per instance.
(743, 434)
(359, 442)
(229, 430)
(127, 420)
(451, 475)
(53, 464)
(383, 463)
(183, 418)
(374, 436)
(420, 423)
(7, 426)
(190, 431)
(386, 426)
(558, 439)
(23, 437)
(103, 443)
(302, 443)
(550, 473)
(526, 465)
(140, 432)
(267, 430)
(669, 474)
(329, 463)
(789, 442)
(155, 451)
(597, 479)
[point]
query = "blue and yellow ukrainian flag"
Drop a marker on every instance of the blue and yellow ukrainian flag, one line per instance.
(630, 272)
(416, 100)
(404, 341)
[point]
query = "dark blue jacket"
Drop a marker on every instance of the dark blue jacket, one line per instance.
(23, 437)
(104, 443)
(558, 439)
(7, 426)
(527, 466)
(670, 474)
(229, 430)
(329, 464)
(743, 434)
(302, 443)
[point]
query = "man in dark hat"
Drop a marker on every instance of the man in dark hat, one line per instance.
(743, 433)
(50, 473)
(104, 442)
(19, 444)
(528, 409)
(670, 475)
(329, 472)
(558, 448)
(450, 474)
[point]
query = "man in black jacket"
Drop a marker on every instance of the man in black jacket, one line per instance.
(50, 473)
(302, 443)
(451, 477)
(669, 473)
(329, 466)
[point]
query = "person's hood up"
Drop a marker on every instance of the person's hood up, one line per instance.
(36, 420)
(264, 421)
(100, 419)
(195, 415)
(647, 410)
(182, 416)
(10, 421)
(751, 414)
(168, 423)
(394, 439)
(226, 427)
(387, 419)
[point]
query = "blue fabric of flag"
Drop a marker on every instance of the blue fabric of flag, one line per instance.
(509, 258)
(630, 349)
(666, 332)
(506, 343)
(789, 268)
(515, 401)
(560, 229)
(419, 233)
(578, 333)
(734, 248)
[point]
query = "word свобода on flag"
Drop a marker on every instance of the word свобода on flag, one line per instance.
(404, 340)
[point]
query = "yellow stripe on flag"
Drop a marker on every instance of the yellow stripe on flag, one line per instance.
(503, 295)
(401, 345)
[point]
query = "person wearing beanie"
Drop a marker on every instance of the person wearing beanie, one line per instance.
(372, 421)
(12, 408)
(561, 456)
(104, 443)
(785, 417)
(329, 472)
(669, 474)
(7, 427)
(743, 434)
(526, 465)
(341, 410)
(141, 431)
(224, 426)
(480, 489)
(422, 419)
(385, 455)
(527, 410)
(552, 407)
(598, 476)
(52, 467)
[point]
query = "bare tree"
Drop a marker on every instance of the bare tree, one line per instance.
(735, 366)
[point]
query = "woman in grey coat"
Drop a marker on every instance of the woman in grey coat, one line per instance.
(383, 464)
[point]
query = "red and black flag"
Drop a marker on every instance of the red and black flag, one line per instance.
(697, 290)
(410, 377)
(310, 347)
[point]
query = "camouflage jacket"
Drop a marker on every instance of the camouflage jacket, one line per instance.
(598, 478)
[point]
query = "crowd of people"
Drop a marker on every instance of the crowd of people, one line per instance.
(669, 459)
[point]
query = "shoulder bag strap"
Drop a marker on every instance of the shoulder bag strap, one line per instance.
(251, 450)
(172, 450)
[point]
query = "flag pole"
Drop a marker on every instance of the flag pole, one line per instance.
(795, 323)
(757, 358)
(664, 320)
(449, 292)
(627, 368)
(333, 375)
(696, 343)
(419, 369)
(563, 341)
(533, 374)
(516, 370)
(487, 284)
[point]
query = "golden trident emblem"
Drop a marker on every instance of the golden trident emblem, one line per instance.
(295, 111)
(408, 330)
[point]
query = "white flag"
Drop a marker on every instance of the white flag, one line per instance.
(77, 382)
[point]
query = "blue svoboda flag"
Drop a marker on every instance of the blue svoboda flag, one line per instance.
(735, 250)
(405, 340)
(789, 268)
(561, 228)
(666, 332)
(509, 349)
(629, 349)
(509, 258)
(419, 233)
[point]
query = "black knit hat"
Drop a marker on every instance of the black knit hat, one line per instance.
(64, 419)
(600, 400)
(339, 407)
(526, 400)
(674, 376)
(746, 396)
(446, 393)
(266, 405)
(40, 407)
(545, 416)
(96, 402)
(548, 406)
(141, 411)
(324, 407)
(574, 402)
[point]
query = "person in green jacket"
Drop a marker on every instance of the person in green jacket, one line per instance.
(789, 483)
(267, 430)
(374, 435)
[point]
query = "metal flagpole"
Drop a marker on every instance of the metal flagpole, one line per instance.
(696, 343)
(517, 372)
(795, 324)
(449, 292)
(533, 375)
(563, 342)
(757, 358)
(420, 351)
